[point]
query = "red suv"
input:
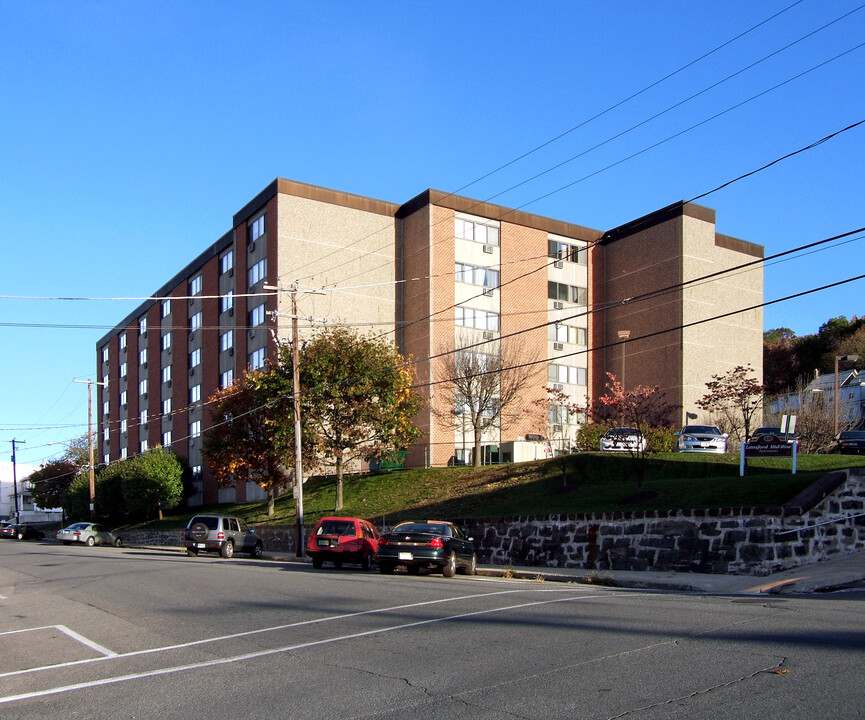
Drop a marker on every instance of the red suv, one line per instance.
(342, 540)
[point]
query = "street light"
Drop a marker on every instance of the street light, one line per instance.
(839, 358)
(623, 336)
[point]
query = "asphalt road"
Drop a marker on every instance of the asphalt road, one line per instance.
(123, 633)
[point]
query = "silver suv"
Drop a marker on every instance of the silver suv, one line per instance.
(223, 534)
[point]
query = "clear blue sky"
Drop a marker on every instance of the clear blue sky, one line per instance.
(131, 132)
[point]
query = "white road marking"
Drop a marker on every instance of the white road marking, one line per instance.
(71, 633)
(287, 648)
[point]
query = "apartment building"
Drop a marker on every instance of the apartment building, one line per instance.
(436, 273)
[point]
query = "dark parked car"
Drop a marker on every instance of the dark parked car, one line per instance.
(433, 544)
(848, 442)
(22, 532)
(89, 534)
(342, 540)
(221, 534)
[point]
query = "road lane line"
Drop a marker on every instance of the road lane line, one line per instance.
(71, 633)
(275, 628)
(288, 648)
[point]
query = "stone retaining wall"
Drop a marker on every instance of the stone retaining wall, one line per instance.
(827, 519)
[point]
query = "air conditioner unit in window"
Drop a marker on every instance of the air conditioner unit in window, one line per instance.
(558, 264)
(191, 338)
(144, 364)
(488, 249)
(168, 383)
(231, 351)
(252, 333)
(558, 305)
(231, 311)
(190, 301)
(191, 372)
(252, 246)
(488, 292)
(230, 272)
(558, 346)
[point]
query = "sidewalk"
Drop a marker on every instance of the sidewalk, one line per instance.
(837, 573)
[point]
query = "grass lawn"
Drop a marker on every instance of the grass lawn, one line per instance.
(592, 483)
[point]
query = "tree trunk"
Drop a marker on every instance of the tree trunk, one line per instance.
(271, 498)
(338, 504)
(478, 454)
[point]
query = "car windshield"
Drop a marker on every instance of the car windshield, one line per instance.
(211, 522)
(853, 435)
(428, 528)
(623, 431)
(700, 430)
(78, 526)
(768, 431)
(336, 527)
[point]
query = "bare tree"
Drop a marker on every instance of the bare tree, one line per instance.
(736, 396)
(482, 385)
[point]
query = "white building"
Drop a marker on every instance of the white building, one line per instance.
(28, 512)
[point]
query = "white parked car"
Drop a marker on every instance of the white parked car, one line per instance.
(702, 438)
(623, 439)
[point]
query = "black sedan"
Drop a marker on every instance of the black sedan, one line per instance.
(434, 544)
(849, 442)
(22, 532)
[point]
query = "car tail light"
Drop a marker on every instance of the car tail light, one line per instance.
(77, 533)
(220, 535)
(436, 543)
(382, 541)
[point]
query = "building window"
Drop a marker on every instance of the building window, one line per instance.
(226, 340)
(256, 228)
(123, 370)
(142, 357)
(195, 322)
(256, 316)
(142, 326)
(226, 302)
(166, 308)
(256, 359)
(124, 424)
(226, 262)
(194, 394)
(166, 406)
(476, 231)
(486, 277)
(123, 453)
(142, 387)
(122, 341)
(226, 379)
(105, 434)
(105, 354)
(566, 374)
(195, 286)
(142, 418)
(567, 334)
(567, 293)
(195, 358)
(480, 319)
(258, 272)
(105, 408)
(565, 251)
(166, 438)
(106, 459)
(143, 446)
(105, 381)
(123, 398)
(166, 341)
(166, 374)
(195, 428)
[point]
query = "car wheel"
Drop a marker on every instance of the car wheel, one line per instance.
(386, 568)
(90, 541)
(118, 542)
(472, 567)
(227, 550)
(365, 563)
(192, 552)
(257, 551)
(317, 562)
(450, 569)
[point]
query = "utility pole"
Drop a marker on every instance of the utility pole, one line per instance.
(15, 480)
(90, 384)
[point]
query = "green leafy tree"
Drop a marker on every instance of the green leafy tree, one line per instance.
(736, 396)
(76, 499)
(52, 481)
(252, 438)
(150, 481)
(357, 398)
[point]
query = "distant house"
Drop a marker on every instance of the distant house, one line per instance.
(821, 390)
(28, 511)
